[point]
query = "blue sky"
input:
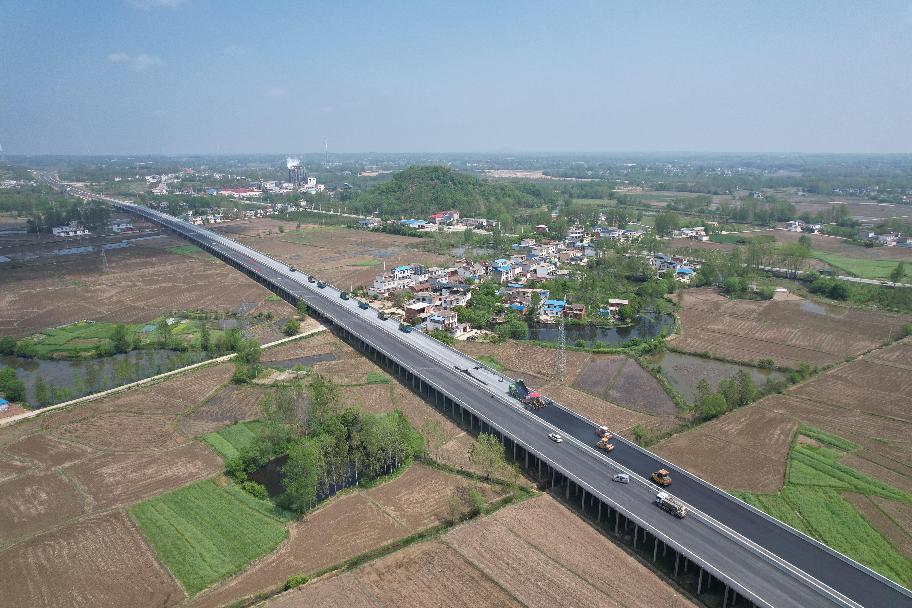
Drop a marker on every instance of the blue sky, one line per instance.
(202, 76)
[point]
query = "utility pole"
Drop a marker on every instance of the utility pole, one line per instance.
(561, 350)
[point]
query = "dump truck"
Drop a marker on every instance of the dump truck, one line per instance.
(661, 477)
(603, 443)
(603, 431)
(519, 390)
(669, 503)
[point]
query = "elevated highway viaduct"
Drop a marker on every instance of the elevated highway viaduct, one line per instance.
(756, 560)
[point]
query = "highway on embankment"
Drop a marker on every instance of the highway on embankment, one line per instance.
(764, 560)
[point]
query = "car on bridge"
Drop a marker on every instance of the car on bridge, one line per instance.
(405, 327)
(311, 279)
(363, 305)
(621, 478)
(555, 438)
(344, 295)
(321, 284)
(292, 269)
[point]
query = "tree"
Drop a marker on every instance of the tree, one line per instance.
(26, 349)
(11, 386)
(711, 407)
(163, 333)
(703, 390)
(300, 476)
(804, 241)
(292, 327)
(898, 273)
(534, 306)
(302, 309)
(325, 402)
(666, 223)
(7, 345)
(487, 453)
(119, 338)
(42, 396)
(205, 337)
(247, 361)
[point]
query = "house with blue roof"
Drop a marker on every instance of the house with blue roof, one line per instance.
(553, 308)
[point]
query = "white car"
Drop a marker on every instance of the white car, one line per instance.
(555, 437)
(622, 478)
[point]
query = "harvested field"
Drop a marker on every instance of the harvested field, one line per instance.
(344, 590)
(141, 283)
(318, 344)
(617, 418)
(622, 381)
(345, 527)
(544, 555)
(36, 502)
(119, 479)
(347, 371)
(122, 431)
(743, 450)
(333, 253)
(101, 561)
(47, 451)
(789, 332)
(230, 404)
(523, 360)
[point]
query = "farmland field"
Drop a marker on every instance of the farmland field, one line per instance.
(536, 553)
(100, 561)
(204, 533)
(142, 282)
(229, 441)
(788, 332)
(861, 267)
(814, 500)
(621, 380)
(347, 526)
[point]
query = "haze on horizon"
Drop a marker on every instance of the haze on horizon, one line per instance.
(200, 76)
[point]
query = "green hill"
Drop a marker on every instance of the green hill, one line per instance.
(422, 190)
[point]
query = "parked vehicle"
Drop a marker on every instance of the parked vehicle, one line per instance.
(363, 305)
(311, 279)
(555, 438)
(292, 269)
(382, 315)
(405, 327)
(669, 503)
(621, 478)
(344, 295)
(661, 477)
(321, 284)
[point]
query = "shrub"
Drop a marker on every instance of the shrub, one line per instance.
(255, 489)
(640, 434)
(296, 580)
(766, 363)
(292, 327)
(7, 345)
(477, 499)
(27, 349)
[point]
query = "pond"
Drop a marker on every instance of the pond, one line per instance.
(685, 371)
(646, 326)
(82, 377)
(270, 477)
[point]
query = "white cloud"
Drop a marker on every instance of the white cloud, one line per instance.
(276, 92)
(148, 5)
(142, 61)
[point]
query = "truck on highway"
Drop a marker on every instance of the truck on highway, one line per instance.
(669, 503)
(519, 390)
(604, 443)
(661, 477)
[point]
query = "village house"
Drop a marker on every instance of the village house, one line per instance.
(575, 311)
(553, 308)
(74, 228)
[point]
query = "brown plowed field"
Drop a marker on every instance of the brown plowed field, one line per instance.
(524, 360)
(543, 555)
(32, 503)
(142, 282)
(229, 404)
(342, 256)
(318, 344)
(331, 592)
(11, 468)
(347, 371)
(102, 561)
(744, 450)
(598, 410)
(621, 380)
(789, 332)
(47, 451)
(343, 528)
(123, 431)
(120, 479)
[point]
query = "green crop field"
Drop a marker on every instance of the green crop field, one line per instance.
(204, 533)
(76, 339)
(185, 249)
(866, 269)
(812, 501)
(231, 440)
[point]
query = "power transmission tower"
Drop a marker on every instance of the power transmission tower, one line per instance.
(104, 259)
(561, 350)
